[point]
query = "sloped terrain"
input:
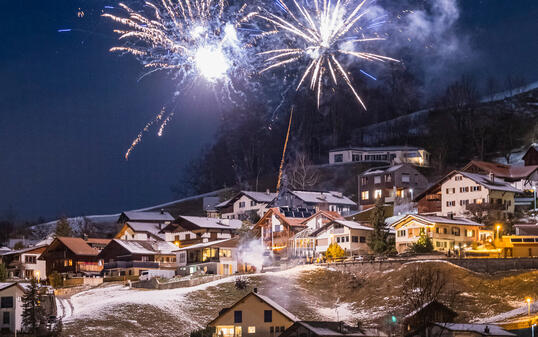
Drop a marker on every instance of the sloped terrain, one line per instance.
(309, 292)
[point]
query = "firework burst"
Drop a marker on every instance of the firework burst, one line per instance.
(191, 39)
(320, 35)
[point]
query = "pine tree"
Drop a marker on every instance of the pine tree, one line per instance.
(32, 314)
(63, 228)
(380, 236)
(424, 243)
(3, 272)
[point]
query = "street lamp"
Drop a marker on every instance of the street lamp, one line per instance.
(529, 300)
(498, 229)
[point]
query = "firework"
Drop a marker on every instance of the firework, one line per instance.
(191, 39)
(319, 36)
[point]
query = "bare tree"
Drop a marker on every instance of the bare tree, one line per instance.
(87, 227)
(300, 172)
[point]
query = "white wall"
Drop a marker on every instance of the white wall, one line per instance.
(15, 312)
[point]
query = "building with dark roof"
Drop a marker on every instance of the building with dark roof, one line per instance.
(520, 177)
(314, 201)
(72, 256)
(531, 156)
(245, 205)
(386, 154)
(328, 329)
(190, 230)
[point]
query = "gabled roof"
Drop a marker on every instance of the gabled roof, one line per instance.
(346, 223)
(428, 305)
(6, 285)
(265, 299)
(77, 245)
(382, 169)
(227, 243)
(497, 184)
(147, 247)
(290, 221)
(98, 241)
(146, 227)
(328, 214)
(329, 329)
(476, 328)
(260, 197)
(431, 220)
(196, 222)
(533, 147)
(315, 197)
(502, 170)
(148, 216)
(39, 249)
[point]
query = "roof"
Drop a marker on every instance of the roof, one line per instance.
(149, 227)
(503, 170)
(331, 197)
(326, 328)
(533, 147)
(346, 223)
(328, 214)
(477, 328)
(265, 299)
(497, 184)
(435, 219)
(211, 223)
(377, 149)
(427, 304)
(261, 197)
(210, 203)
(147, 247)
(77, 245)
(25, 250)
(5, 285)
(148, 216)
(382, 169)
(227, 243)
(526, 229)
(98, 241)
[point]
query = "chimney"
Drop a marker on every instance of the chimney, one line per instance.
(451, 215)
(255, 290)
(162, 210)
(491, 176)
(486, 329)
(85, 237)
(267, 192)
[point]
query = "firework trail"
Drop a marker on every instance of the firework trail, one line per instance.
(318, 36)
(191, 39)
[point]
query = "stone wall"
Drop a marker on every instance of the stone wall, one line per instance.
(156, 284)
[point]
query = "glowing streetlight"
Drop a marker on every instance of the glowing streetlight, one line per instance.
(529, 300)
(498, 229)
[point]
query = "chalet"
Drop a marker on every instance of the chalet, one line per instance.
(25, 263)
(389, 154)
(304, 242)
(462, 330)
(246, 205)
(454, 192)
(351, 236)
(71, 256)
(253, 315)
(431, 311)
(216, 257)
(278, 227)
(531, 156)
(11, 306)
(190, 230)
(390, 183)
(517, 246)
(318, 201)
(130, 257)
(328, 329)
(141, 231)
(447, 233)
(520, 177)
(161, 217)
(210, 206)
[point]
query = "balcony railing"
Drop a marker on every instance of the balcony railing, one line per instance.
(131, 264)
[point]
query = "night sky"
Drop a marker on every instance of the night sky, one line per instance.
(69, 109)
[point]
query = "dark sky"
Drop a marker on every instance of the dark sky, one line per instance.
(69, 108)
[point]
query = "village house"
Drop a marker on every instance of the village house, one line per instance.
(254, 315)
(317, 200)
(447, 233)
(531, 156)
(389, 154)
(351, 236)
(11, 306)
(141, 231)
(431, 311)
(304, 242)
(131, 257)
(512, 246)
(278, 227)
(209, 205)
(25, 263)
(246, 205)
(462, 330)
(190, 230)
(454, 192)
(521, 177)
(216, 257)
(389, 183)
(326, 329)
(68, 255)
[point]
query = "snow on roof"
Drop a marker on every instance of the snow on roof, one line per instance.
(327, 328)
(203, 222)
(5, 285)
(382, 169)
(147, 247)
(447, 220)
(276, 306)
(323, 197)
(497, 184)
(261, 197)
(353, 225)
(378, 149)
(478, 328)
(149, 227)
(24, 250)
(503, 170)
(221, 243)
(148, 216)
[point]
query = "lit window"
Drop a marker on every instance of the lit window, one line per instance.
(377, 194)
(251, 329)
(365, 195)
(377, 180)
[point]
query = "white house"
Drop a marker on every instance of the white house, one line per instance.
(390, 154)
(245, 204)
(189, 230)
(11, 294)
(25, 264)
(351, 236)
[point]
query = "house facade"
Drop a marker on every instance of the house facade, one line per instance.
(190, 230)
(351, 236)
(67, 255)
(521, 177)
(389, 183)
(131, 257)
(138, 231)
(389, 154)
(215, 257)
(531, 156)
(25, 263)
(446, 233)
(246, 205)
(306, 201)
(11, 294)
(254, 315)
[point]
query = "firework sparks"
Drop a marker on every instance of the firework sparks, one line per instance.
(321, 35)
(189, 38)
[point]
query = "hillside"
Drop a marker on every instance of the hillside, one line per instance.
(309, 292)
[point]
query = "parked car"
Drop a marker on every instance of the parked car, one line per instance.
(149, 274)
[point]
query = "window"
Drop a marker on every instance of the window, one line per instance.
(363, 239)
(251, 329)
(405, 178)
(388, 178)
(272, 329)
(365, 195)
(364, 180)
(252, 203)
(238, 316)
(277, 228)
(5, 318)
(282, 329)
(456, 231)
(347, 238)
(378, 194)
(6, 302)
(267, 316)
(458, 178)
(242, 204)
(445, 230)
(437, 230)
(354, 239)
(338, 158)
(357, 157)
(377, 180)
(447, 191)
(30, 259)
(470, 233)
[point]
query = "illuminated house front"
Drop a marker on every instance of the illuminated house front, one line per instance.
(215, 257)
(254, 315)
